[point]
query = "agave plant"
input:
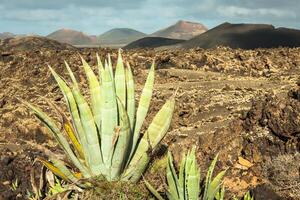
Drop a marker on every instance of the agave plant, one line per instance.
(247, 196)
(186, 185)
(103, 138)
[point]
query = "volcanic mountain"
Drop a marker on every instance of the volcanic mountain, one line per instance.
(32, 43)
(152, 42)
(181, 30)
(120, 36)
(71, 37)
(245, 36)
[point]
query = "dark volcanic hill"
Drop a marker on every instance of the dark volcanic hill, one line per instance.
(181, 30)
(245, 36)
(152, 42)
(71, 37)
(32, 43)
(120, 36)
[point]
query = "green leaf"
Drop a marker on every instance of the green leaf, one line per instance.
(248, 196)
(130, 107)
(62, 167)
(110, 116)
(215, 185)
(95, 92)
(209, 176)
(75, 84)
(59, 137)
(120, 82)
(110, 67)
(122, 144)
(173, 185)
(182, 178)
(72, 106)
(192, 176)
(153, 191)
(100, 68)
(220, 195)
(90, 129)
(143, 107)
(154, 134)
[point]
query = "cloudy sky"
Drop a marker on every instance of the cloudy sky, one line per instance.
(97, 16)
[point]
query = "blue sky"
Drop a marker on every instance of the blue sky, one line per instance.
(97, 16)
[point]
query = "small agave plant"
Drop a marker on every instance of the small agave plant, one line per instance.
(186, 185)
(104, 139)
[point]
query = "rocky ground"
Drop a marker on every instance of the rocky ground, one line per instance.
(244, 105)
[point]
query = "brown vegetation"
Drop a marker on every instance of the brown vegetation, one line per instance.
(216, 90)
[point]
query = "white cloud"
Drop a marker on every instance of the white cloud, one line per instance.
(97, 16)
(235, 11)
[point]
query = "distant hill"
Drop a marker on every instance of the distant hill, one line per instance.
(152, 42)
(181, 30)
(71, 37)
(119, 36)
(5, 35)
(31, 43)
(245, 36)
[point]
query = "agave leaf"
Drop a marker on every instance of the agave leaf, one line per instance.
(75, 84)
(109, 113)
(220, 195)
(215, 185)
(130, 107)
(90, 129)
(248, 196)
(154, 134)
(70, 132)
(109, 65)
(120, 83)
(209, 176)
(143, 107)
(153, 191)
(53, 169)
(182, 177)
(122, 144)
(95, 92)
(106, 64)
(61, 166)
(170, 197)
(71, 103)
(68, 129)
(100, 68)
(160, 123)
(193, 177)
(172, 178)
(59, 137)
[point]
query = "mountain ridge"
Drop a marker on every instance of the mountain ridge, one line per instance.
(120, 36)
(181, 30)
(245, 36)
(152, 42)
(71, 36)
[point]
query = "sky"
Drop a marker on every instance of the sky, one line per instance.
(97, 16)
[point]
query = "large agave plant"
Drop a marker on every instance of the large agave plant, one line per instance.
(186, 185)
(104, 138)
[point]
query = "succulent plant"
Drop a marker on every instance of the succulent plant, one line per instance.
(186, 185)
(104, 139)
(248, 196)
